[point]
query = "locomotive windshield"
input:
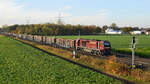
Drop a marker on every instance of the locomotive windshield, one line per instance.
(106, 44)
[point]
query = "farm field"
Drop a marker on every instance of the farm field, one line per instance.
(21, 64)
(122, 43)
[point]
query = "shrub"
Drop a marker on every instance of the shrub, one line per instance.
(116, 68)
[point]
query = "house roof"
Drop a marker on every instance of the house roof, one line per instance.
(111, 30)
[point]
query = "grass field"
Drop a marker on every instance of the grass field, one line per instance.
(22, 64)
(122, 43)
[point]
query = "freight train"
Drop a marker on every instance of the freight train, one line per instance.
(93, 47)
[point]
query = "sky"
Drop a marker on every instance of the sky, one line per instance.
(133, 13)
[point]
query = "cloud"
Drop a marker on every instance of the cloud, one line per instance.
(103, 12)
(9, 10)
(100, 18)
(44, 16)
(12, 12)
(67, 7)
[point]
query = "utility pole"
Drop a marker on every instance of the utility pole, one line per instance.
(133, 51)
(79, 34)
(59, 22)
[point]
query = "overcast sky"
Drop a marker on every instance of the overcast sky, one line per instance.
(87, 12)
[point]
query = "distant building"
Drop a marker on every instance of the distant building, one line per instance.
(136, 32)
(147, 32)
(111, 31)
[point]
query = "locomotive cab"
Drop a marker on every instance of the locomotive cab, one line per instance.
(94, 47)
(107, 47)
(107, 44)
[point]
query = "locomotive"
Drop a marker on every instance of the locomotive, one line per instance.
(93, 47)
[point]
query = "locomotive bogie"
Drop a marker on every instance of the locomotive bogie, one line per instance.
(90, 50)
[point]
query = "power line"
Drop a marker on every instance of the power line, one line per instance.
(59, 21)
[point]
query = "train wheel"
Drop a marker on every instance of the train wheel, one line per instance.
(78, 48)
(98, 53)
(92, 52)
(95, 53)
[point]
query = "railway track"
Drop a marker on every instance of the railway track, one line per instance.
(139, 62)
(142, 63)
(145, 61)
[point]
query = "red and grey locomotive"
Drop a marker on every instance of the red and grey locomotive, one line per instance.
(95, 47)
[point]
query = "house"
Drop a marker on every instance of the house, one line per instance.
(111, 31)
(136, 32)
(147, 32)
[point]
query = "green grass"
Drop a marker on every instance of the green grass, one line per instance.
(141, 52)
(22, 64)
(122, 42)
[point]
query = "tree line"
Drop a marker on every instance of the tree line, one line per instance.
(68, 29)
(53, 29)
